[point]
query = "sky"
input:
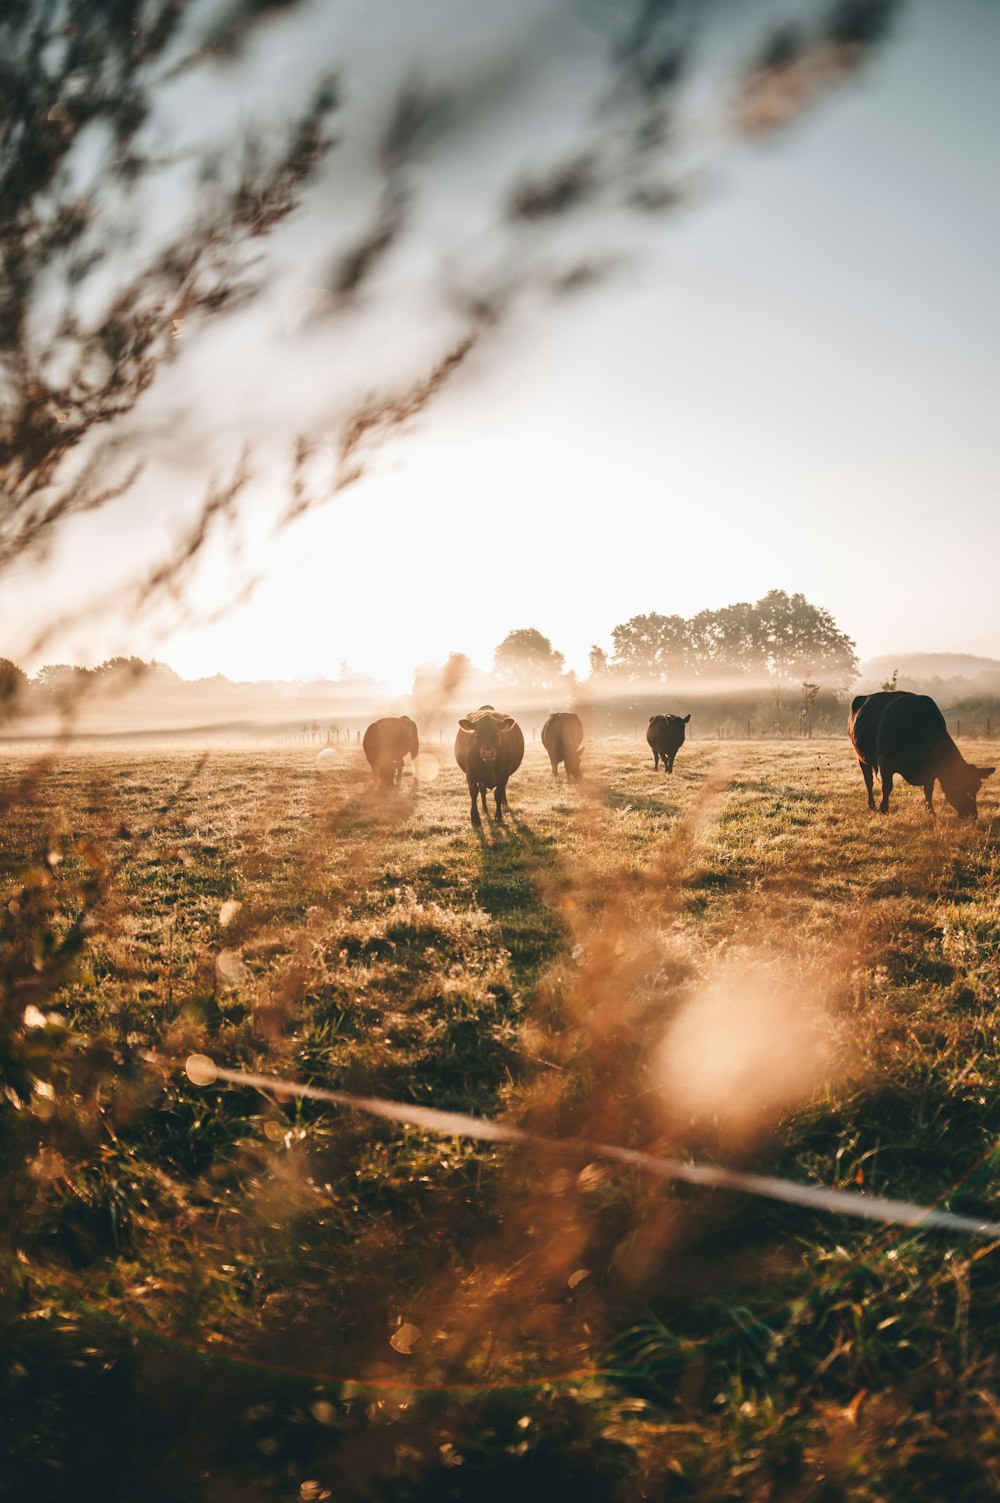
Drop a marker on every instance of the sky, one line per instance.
(791, 382)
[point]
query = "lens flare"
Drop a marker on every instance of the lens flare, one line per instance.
(200, 1070)
(426, 767)
(739, 1052)
(230, 969)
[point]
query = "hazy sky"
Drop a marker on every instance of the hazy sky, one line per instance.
(790, 383)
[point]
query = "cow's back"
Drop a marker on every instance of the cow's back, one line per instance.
(901, 732)
(913, 738)
(668, 731)
(863, 724)
(562, 733)
(389, 739)
(373, 742)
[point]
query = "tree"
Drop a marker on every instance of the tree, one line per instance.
(529, 660)
(725, 642)
(810, 694)
(890, 685)
(797, 639)
(13, 682)
(783, 637)
(61, 678)
(651, 647)
(598, 662)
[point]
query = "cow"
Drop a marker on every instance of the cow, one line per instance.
(489, 748)
(386, 743)
(899, 734)
(562, 737)
(665, 734)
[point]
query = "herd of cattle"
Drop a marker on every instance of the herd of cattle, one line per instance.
(895, 734)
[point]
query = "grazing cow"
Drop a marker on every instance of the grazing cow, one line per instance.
(665, 734)
(386, 743)
(562, 737)
(899, 734)
(489, 747)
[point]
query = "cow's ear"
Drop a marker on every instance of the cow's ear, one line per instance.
(466, 724)
(686, 719)
(508, 723)
(985, 772)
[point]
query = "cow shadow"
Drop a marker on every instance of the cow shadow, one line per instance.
(513, 862)
(350, 811)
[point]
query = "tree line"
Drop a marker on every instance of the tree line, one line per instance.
(783, 639)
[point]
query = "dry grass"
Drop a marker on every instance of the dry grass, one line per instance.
(206, 1289)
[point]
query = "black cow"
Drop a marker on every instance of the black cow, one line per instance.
(665, 734)
(489, 747)
(562, 737)
(386, 743)
(899, 734)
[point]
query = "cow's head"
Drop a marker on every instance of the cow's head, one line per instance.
(961, 786)
(487, 732)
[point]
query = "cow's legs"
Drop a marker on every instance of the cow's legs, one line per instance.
(886, 780)
(656, 760)
(474, 790)
(929, 797)
(867, 772)
(555, 765)
(670, 763)
(482, 794)
(501, 800)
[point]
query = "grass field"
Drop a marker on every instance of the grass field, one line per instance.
(214, 1293)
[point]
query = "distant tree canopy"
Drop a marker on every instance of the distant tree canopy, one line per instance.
(651, 646)
(529, 660)
(60, 678)
(13, 682)
(783, 636)
(598, 661)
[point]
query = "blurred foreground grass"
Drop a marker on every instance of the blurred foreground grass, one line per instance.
(214, 1294)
